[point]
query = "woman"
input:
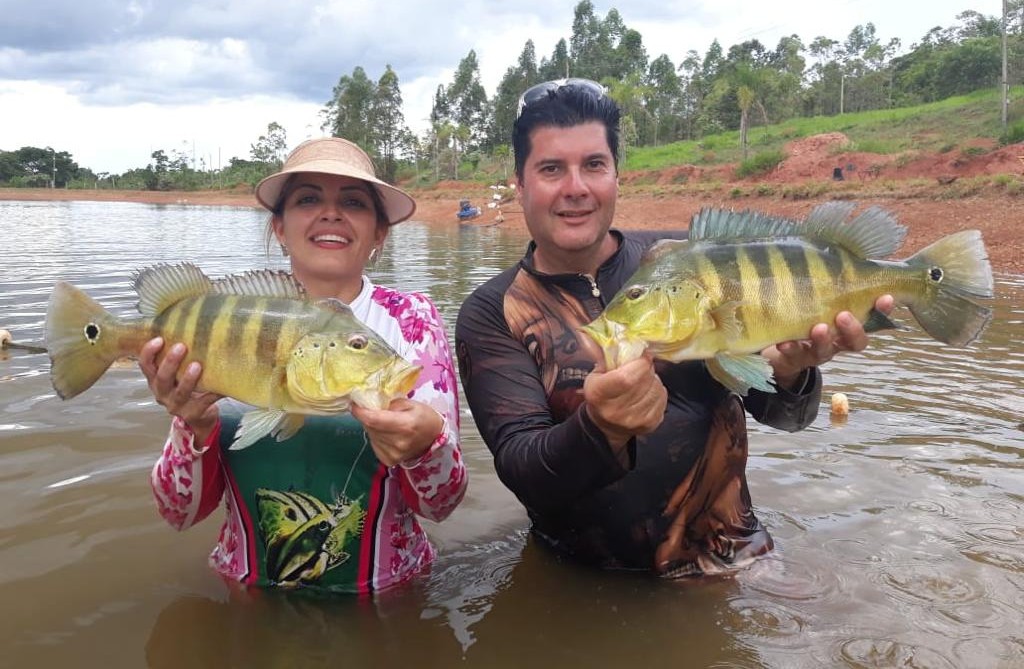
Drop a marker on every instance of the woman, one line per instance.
(334, 507)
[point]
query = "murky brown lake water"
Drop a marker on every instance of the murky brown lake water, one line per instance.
(900, 532)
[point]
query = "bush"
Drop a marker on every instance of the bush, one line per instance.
(762, 163)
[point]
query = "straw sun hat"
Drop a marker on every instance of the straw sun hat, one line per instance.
(334, 155)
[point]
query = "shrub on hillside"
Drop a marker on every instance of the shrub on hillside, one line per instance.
(762, 163)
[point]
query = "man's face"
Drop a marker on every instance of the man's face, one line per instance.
(568, 191)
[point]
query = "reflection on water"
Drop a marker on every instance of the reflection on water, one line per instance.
(900, 531)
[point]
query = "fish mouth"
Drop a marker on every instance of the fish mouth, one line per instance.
(615, 342)
(388, 383)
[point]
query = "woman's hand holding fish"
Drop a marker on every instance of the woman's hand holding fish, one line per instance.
(789, 359)
(402, 432)
(180, 398)
(626, 401)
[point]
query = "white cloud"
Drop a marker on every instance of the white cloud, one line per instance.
(127, 77)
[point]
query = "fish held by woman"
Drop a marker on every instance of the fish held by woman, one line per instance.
(747, 280)
(258, 337)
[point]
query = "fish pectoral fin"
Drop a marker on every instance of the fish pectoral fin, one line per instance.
(876, 321)
(257, 424)
(740, 373)
(726, 319)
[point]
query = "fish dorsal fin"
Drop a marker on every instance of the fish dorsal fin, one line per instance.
(662, 247)
(726, 225)
(261, 283)
(874, 233)
(162, 285)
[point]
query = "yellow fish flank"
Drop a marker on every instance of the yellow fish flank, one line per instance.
(258, 337)
(745, 280)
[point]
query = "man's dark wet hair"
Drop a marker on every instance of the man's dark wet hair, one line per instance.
(564, 103)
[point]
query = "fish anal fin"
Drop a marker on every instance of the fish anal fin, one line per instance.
(740, 373)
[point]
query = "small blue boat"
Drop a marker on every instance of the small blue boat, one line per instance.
(467, 211)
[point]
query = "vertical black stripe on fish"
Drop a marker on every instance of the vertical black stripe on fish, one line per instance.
(768, 294)
(185, 324)
(232, 338)
(267, 328)
(210, 307)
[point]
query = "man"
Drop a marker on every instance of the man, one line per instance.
(641, 467)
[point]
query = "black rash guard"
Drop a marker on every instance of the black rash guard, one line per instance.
(523, 361)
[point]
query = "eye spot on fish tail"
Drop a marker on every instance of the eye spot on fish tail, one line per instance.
(358, 342)
(936, 274)
(92, 333)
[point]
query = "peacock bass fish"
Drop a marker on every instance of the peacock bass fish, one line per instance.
(746, 280)
(258, 337)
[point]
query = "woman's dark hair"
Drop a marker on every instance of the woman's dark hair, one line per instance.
(563, 105)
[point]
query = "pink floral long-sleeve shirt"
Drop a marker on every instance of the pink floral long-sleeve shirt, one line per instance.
(319, 510)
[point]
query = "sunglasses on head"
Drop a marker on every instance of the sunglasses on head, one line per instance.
(549, 88)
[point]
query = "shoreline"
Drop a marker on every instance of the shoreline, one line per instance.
(998, 216)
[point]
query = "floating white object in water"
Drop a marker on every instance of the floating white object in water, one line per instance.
(840, 405)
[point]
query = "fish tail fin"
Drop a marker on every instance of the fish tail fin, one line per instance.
(81, 339)
(957, 269)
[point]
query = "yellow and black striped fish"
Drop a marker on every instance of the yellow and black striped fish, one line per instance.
(745, 280)
(258, 337)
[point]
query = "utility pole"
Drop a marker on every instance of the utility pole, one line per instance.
(53, 182)
(842, 92)
(1006, 80)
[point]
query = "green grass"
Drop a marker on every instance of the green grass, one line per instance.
(934, 127)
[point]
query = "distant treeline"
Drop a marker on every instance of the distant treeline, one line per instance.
(663, 101)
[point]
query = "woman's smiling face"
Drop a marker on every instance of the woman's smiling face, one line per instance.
(329, 224)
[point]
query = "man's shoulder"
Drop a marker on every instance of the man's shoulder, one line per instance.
(491, 292)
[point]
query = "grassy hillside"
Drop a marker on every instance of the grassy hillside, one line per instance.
(938, 127)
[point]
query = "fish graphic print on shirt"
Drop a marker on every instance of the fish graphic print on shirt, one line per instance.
(303, 537)
(304, 501)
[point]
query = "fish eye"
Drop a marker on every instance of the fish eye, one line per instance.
(635, 292)
(358, 342)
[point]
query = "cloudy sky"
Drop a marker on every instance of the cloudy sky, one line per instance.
(111, 81)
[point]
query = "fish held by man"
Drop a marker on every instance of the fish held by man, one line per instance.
(746, 280)
(259, 338)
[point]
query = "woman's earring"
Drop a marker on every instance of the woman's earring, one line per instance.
(284, 250)
(374, 253)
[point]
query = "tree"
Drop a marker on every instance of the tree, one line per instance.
(348, 113)
(388, 122)
(504, 104)
(270, 149)
(467, 101)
